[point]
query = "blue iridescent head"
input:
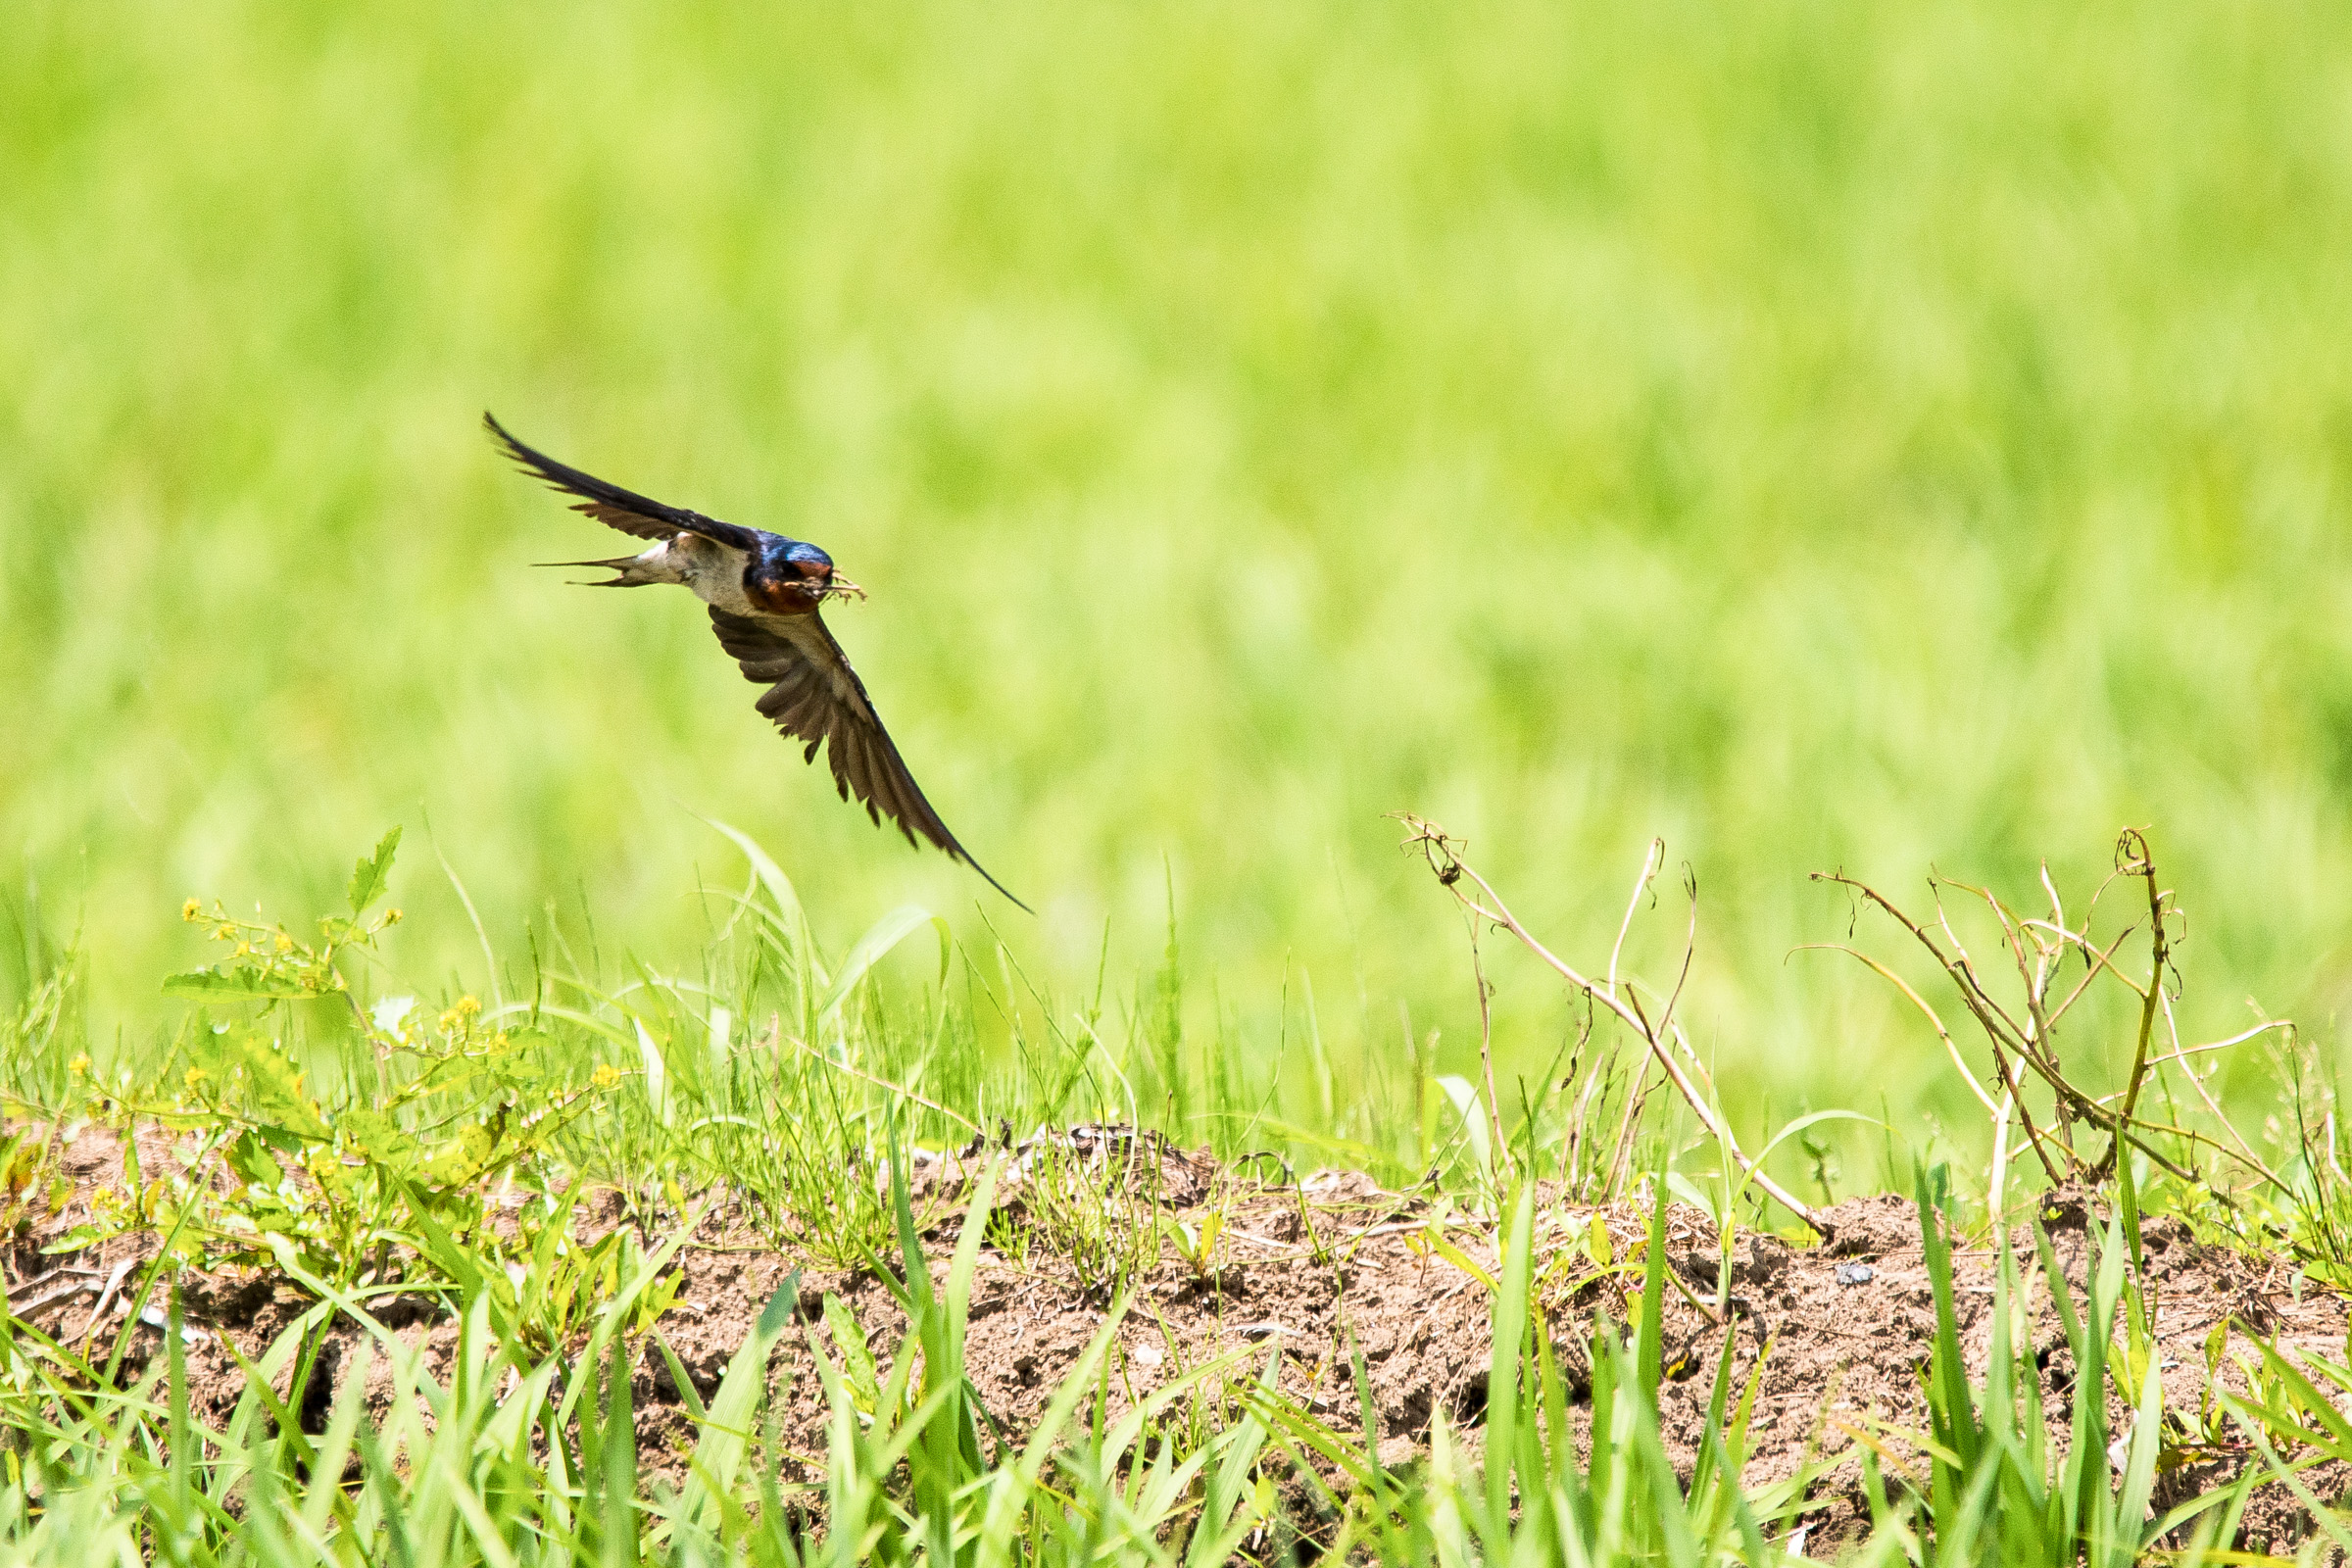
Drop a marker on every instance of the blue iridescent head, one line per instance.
(811, 563)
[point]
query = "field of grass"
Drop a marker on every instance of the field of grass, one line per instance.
(1883, 439)
(1821, 438)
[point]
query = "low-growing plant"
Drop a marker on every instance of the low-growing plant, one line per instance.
(1094, 1203)
(390, 1169)
(32, 1186)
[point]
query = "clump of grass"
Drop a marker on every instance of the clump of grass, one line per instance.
(2003, 1482)
(1531, 1491)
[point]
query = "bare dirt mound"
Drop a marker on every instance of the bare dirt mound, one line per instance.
(1300, 1273)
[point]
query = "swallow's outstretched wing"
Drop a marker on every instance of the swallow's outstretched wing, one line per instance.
(815, 696)
(611, 505)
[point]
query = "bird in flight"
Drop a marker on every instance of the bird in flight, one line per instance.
(764, 591)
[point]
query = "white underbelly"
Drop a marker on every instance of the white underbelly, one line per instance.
(715, 572)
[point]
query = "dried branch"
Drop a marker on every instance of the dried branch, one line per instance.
(1443, 858)
(2133, 858)
(1951, 1047)
(2005, 1038)
(1651, 863)
(1485, 1046)
(2036, 946)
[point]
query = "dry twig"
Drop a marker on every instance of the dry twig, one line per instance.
(2037, 945)
(1664, 1037)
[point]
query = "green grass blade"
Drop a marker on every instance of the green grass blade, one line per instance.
(1010, 1486)
(727, 1431)
(2139, 1473)
(619, 1451)
(874, 946)
(1649, 1334)
(1511, 1318)
(1950, 1402)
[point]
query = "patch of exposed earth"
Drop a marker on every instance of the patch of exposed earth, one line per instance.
(1843, 1328)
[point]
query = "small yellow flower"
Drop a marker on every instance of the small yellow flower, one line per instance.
(244, 949)
(195, 1075)
(467, 1006)
(224, 932)
(285, 943)
(606, 1075)
(79, 1064)
(192, 910)
(391, 917)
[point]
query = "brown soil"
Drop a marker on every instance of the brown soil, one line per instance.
(1844, 1328)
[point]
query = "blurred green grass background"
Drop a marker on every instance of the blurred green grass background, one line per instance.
(1876, 436)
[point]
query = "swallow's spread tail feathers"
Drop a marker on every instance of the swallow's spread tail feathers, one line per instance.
(631, 569)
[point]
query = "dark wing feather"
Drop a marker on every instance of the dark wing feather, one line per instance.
(615, 508)
(814, 695)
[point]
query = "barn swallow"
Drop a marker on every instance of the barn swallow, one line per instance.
(764, 591)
